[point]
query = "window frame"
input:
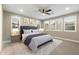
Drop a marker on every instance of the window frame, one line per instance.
(74, 25)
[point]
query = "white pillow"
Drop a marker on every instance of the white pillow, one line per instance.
(34, 30)
(26, 31)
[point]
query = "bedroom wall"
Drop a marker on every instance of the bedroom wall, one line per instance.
(67, 35)
(7, 25)
(1, 27)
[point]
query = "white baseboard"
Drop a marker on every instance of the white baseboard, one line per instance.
(75, 41)
(8, 41)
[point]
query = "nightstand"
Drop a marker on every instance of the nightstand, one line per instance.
(15, 35)
(15, 38)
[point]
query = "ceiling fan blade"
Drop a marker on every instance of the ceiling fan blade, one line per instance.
(48, 10)
(43, 10)
(48, 13)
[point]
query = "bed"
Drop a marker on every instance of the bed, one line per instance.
(33, 39)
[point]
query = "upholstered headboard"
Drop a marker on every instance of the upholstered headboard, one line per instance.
(25, 27)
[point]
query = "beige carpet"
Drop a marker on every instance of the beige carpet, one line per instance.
(67, 48)
(19, 48)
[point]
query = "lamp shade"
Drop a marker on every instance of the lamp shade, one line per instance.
(41, 29)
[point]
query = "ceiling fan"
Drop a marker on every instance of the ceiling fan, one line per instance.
(46, 11)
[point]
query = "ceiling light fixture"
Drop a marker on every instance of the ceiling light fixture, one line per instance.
(21, 10)
(67, 8)
(43, 14)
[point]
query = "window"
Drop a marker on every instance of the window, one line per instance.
(15, 25)
(24, 21)
(70, 24)
(15, 22)
(32, 22)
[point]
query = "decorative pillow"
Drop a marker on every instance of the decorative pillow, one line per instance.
(26, 31)
(34, 30)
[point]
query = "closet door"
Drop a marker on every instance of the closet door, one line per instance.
(59, 24)
(52, 25)
(38, 24)
(47, 25)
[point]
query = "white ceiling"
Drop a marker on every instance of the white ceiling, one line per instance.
(31, 10)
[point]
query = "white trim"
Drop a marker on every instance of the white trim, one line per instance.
(75, 41)
(8, 41)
